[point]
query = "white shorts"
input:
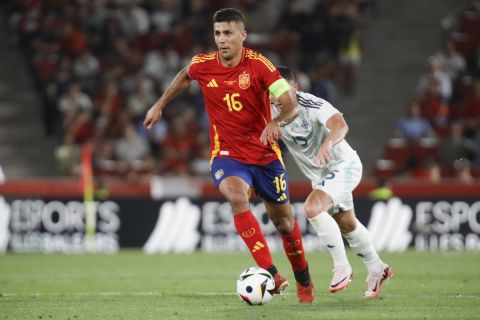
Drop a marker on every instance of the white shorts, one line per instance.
(340, 183)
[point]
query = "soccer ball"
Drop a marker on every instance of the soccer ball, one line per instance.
(255, 286)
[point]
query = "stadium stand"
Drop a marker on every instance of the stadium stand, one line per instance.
(99, 65)
(448, 97)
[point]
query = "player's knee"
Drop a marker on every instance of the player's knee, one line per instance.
(312, 210)
(284, 225)
(236, 198)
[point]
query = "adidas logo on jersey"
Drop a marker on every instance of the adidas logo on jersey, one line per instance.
(212, 84)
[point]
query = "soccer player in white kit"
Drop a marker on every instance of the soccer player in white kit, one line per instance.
(315, 138)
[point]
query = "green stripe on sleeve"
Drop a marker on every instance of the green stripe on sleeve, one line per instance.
(279, 87)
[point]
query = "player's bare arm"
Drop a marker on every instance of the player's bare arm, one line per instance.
(178, 84)
(338, 130)
(288, 112)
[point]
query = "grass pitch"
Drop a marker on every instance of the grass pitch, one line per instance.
(132, 285)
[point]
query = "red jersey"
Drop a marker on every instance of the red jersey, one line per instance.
(238, 105)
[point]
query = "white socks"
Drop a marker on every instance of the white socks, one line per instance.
(329, 232)
(362, 245)
(359, 240)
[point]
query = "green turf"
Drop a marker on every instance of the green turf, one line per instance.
(132, 285)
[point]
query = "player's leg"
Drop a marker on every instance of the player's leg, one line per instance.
(233, 180)
(291, 235)
(359, 239)
(271, 184)
(317, 206)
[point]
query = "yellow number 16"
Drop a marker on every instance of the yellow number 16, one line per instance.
(232, 103)
(280, 183)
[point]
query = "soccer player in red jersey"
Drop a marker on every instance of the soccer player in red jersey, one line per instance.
(236, 83)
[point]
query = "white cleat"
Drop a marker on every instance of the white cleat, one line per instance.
(342, 275)
(375, 281)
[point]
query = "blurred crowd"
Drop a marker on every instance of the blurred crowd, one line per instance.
(100, 64)
(439, 137)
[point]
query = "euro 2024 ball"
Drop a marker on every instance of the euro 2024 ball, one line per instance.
(255, 286)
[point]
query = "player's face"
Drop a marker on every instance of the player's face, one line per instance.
(229, 37)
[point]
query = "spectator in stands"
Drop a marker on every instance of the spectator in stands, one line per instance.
(413, 127)
(104, 161)
(453, 62)
(134, 20)
(108, 102)
(435, 70)
(56, 87)
(435, 108)
(463, 172)
(86, 68)
(160, 64)
(177, 148)
(454, 147)
(162, 15)
(133, 152)
(62, 79)
(322, 84)
(73, 103)
(86, 65)
(471, 110)
(82, 127)
(74, 41)
(263, 18)
(140, 100)
(200, 163)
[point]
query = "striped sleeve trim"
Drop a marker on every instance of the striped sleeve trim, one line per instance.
(203, 58)
(256, 56)
(309, 103)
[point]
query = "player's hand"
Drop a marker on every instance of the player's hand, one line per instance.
(153, 115)
(271, 133)
(324, 155)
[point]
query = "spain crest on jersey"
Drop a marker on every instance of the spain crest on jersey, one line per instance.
(244, 81)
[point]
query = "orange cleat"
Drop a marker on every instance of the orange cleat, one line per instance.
(305, 294)
(280, 283)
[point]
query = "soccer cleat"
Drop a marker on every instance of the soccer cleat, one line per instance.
(375, 281)
(305, 294)
(342, 275)
(280, 283)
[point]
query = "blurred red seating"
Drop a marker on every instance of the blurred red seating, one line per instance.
(384, 169)
(464, 44)
(426, 149)
(399, 151)
(469, 23)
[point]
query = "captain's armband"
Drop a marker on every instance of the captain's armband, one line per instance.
(279, 87)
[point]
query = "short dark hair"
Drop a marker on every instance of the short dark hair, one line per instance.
(229, 14)
(286, 73)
